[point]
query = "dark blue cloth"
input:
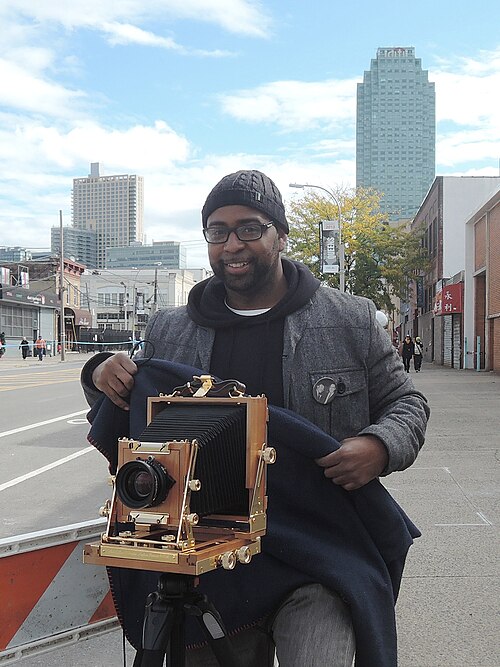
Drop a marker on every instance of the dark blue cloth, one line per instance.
(352, 542)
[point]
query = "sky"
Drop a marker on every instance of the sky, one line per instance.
(183, 92)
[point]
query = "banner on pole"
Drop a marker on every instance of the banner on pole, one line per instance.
(329, 246)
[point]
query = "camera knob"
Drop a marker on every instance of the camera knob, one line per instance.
(269, 455)
(228, 560)
(194, 485)
(104, 510)
(192, 519)
(244, 555)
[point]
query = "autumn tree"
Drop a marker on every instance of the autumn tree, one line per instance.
(381, 260)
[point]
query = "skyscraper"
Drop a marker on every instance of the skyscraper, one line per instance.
(79, 244)
(110, 206)
(395, 131)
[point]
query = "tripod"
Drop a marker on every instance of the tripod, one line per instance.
(164, 620)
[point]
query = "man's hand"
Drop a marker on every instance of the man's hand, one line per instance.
(115, 378)
(357, 462)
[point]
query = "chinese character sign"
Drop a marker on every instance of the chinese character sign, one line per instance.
(449, 300)
(329, 246)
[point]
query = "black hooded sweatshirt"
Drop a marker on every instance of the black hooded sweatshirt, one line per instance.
(250, 348)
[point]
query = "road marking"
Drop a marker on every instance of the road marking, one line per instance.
(49, 421)
(34, 473)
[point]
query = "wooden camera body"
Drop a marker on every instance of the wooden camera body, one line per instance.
(190, 494)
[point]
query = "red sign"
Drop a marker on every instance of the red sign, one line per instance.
(449, 300)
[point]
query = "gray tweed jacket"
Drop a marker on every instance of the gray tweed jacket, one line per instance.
(334, 336)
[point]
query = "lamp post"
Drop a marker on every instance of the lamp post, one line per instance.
(301, 186)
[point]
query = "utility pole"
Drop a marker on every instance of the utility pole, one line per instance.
(155, 297)
(62, 332)
(132, 318)
(125, 303)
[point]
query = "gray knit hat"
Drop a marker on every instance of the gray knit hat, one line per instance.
(247, 188)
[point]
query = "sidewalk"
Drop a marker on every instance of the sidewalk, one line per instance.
(449, 601)
(11, 361)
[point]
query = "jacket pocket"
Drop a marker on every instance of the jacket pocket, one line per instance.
(340, 400)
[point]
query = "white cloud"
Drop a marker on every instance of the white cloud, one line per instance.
(23, 90)
(468, 110)
(124, 33)
(462, 147)
(295, 105)
(236, 16)
(468, 100)
(138, 149)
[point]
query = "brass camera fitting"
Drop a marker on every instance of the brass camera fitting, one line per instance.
(269, 455)
(105, 509)
(228, 560)
(244, 555)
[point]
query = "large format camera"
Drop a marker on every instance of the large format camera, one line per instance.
(189, 493)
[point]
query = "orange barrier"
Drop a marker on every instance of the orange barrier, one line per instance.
(46, 590)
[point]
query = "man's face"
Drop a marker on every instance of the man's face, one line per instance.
(245, 267)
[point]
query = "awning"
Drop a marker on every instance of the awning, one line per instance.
(80, 317)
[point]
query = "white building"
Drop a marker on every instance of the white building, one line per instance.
(110, 206)
(124, 299)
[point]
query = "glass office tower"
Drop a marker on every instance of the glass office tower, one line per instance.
(396, 131)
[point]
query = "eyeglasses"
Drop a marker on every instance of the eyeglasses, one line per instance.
(250, 232)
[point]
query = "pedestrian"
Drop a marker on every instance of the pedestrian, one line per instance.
(3, 345)
(268, 322)
(407, 351)
(40, 346)
(24, 346)
(418, 354)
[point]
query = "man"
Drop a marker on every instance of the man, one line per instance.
(40, 347)
(418, 354)
(268, 322)
(24, 346)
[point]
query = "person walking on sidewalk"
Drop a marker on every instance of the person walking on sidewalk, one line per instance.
(407, 352)
(24, 346)
(418, 354)
(40, 346)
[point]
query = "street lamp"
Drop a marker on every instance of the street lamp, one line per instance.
(301, 186)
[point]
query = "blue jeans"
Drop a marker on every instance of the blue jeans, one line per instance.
(312, 628)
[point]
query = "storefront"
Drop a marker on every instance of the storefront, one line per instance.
(75, 319)
(24, 312)
(448, 305)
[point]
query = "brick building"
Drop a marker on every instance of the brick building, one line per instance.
(482, 286)
(448, 338)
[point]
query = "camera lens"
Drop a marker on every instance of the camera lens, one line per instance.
(143, 483)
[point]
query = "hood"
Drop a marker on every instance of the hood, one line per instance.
(206, 305)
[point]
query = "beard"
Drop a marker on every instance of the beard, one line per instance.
(259, 274)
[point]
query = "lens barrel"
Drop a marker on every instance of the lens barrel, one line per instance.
(143, 483)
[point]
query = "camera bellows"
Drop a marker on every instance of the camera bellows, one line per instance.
(221, 463)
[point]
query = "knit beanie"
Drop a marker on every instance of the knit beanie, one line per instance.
(247, 188)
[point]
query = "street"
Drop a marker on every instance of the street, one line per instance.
(50, 475)
(449, 601)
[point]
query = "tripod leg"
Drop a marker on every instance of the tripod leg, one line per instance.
(211, 622)
(176, 654)
(156, 632)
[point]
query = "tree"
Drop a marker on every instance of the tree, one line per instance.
(381, 261)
